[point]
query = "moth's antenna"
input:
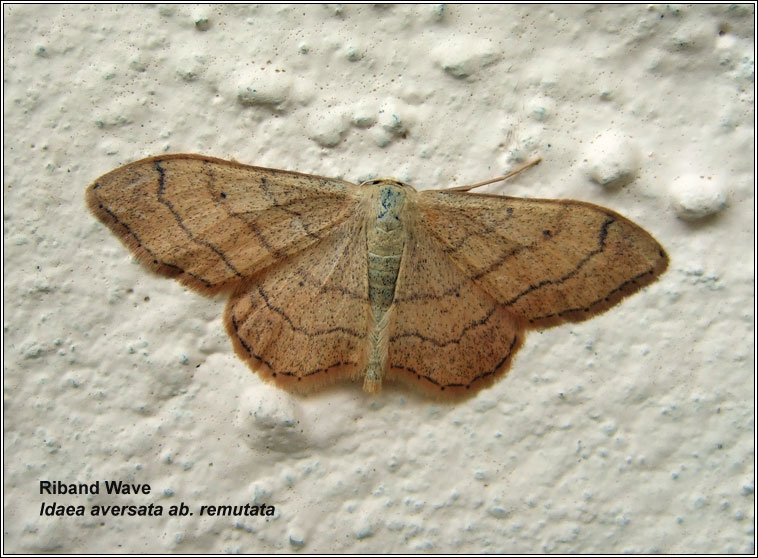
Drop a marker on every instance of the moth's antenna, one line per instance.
(522, 168)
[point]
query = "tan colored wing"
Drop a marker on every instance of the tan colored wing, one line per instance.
(446, 334)
(304, 322)
(545, 261)
(212, 223)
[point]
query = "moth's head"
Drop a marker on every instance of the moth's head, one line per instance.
(379, 182)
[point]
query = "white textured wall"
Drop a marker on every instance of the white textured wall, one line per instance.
(631, 432)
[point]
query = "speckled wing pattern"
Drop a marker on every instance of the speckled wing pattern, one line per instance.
(304, 323)
(212, 224)
(447, 334)
(286, 245)
(481, 269)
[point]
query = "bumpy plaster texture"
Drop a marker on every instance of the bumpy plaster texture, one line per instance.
(632, 432)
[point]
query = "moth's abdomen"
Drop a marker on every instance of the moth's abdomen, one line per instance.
(382, 275)
(385, 240)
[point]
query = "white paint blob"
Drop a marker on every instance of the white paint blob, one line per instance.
(611, 159)
(697, 196)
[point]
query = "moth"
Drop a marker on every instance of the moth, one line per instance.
(330, 281)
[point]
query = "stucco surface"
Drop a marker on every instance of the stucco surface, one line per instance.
(631, 432)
